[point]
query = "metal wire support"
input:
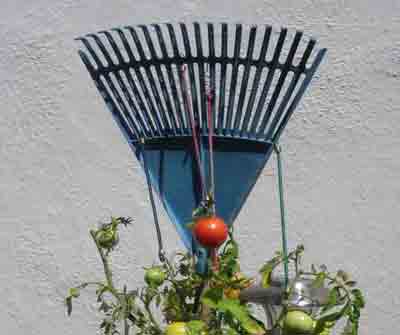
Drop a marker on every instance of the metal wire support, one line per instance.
(278, 150)
(161, 252)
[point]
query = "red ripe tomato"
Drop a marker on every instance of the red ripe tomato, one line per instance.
(210, 231)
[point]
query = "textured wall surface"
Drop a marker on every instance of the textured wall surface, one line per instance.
(64, 165)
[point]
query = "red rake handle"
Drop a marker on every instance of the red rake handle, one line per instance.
(211, 142)
(193, 128)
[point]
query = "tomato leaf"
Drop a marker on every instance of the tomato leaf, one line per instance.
(212, 296)
(241, 314)
(332, 299)
(74, 292)
(229, 258)
(266, 278)
(230, 331)
(319, 280)
(266, 271)
(104, 307)
(195, 327)
(333, 314)
(343, 275)
(359, 300)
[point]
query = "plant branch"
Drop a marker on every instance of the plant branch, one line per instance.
(126, 326)
(333, 279)
(106, 266)
(178, 290)
(151, 317)
(126, 312)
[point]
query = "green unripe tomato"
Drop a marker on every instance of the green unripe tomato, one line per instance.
(176, 328)
(298, 322)
(108, 238)
(155, 276)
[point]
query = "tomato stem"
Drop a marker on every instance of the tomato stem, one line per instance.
(214, 259)
(107, 270)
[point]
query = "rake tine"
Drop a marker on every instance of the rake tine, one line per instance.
(138, 44)
(309, 75)
(211, 48)
(88, 64)
(291, 88)
(121, 105)
(174, 43)
(306, 55)
(224, 54)
(131, 104)
(113, 44)
(142, 82)
(132, 58)
(93, 54)
(149, 101)
(120, 102)
(136, 113)
(201, 65)
(192, 77)
(122, 85)
(245, 79)
(268, 81)
(160, 78)
(171, 79)
(235, 68)
(142, 106)
(115, 92)
(126, 131)
(257, 77)
(148, 121)
(102, 48)
(153, 87)
(133, 86)
(281, 82)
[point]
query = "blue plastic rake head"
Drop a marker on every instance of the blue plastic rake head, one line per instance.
(257, 77)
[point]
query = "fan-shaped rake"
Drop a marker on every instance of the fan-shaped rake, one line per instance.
(226, 89)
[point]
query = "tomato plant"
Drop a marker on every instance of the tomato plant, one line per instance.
(209, 304)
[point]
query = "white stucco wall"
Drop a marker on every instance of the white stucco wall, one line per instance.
(64, 164)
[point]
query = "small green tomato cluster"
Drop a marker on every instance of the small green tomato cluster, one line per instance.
(107, 238)
(155, 276)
